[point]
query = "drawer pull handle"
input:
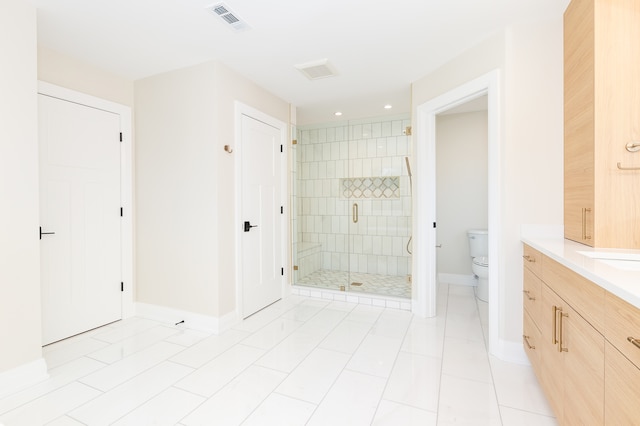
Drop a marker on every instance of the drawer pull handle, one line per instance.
(554, 337)
(560, 348)
(636, 342)
(585, 236)
(528, 293)
(529, 259)
(526, 340)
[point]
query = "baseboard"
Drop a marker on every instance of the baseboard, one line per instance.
(511, 352)
(191, 320)
(458, 279)
(22, 377)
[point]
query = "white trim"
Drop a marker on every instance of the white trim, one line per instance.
(22, 377)
(191, 320)
(240, 110)
(512, 352)
(126, 179)
(378, 300)
(458, 279)
(424, 272)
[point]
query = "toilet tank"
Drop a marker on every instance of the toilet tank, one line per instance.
(478, 242)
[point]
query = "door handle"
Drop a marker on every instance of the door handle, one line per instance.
(248, 226)
(355, 212)
(45, 233)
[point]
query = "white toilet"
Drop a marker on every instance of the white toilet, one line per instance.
(479, 251)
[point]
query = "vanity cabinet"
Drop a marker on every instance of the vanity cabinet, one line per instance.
(602, 116)
(587, 345)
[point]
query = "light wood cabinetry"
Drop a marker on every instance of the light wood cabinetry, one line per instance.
(601, 116)
(622, 393)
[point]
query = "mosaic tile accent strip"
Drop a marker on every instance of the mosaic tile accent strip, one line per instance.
(371, 187)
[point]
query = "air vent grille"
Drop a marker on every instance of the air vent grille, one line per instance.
(316, 69)
(228, 16)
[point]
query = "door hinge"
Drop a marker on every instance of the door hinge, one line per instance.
(282, 271)
(294, 142)
(121, 212)
(121, 285)
(120, 136)
(281, 209)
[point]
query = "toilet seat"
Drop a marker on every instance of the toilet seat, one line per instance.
(481, 261)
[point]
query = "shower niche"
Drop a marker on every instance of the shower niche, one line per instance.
(351, 198)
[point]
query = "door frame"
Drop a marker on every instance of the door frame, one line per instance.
(240, 110)
(425, 291)
(126, 180)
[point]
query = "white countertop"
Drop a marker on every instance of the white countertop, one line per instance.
(622, 282)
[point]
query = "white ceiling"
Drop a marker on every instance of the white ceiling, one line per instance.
(377, 47)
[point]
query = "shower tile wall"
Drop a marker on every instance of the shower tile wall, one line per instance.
(377, 243)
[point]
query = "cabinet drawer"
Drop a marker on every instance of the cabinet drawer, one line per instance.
(532, 259)
(622, 321)
(532, 296)
(531, 339)
(621, 390)
(585, 297)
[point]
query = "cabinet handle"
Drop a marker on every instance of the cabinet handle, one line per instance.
(627, 168)
(560, 348)
(526, 340)
(529, 259)
(528, 293)
(636, 342)
(554, 337)
(585, 210)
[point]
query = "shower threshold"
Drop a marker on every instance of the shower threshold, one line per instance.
(374, 284)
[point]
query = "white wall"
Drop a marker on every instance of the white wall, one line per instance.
(461, 186)
(529, 57)
(20, 327)
(185, 186)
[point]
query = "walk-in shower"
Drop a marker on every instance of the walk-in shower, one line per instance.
(351, 195)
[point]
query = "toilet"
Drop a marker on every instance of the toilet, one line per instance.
(479, 251)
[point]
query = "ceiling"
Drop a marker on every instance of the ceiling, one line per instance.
(377, 48)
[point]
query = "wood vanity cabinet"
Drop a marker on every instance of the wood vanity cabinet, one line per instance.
(601, 116)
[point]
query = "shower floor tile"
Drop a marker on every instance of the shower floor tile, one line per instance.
(387, 285)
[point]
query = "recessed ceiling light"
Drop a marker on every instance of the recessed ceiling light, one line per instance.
(387, 106)
(337, 113)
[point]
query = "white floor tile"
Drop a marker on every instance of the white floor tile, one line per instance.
(415, 381)
(311, 380)
(133, 344)
(346, 337)
(364, 313)
(290, 352)
(123, 370)
(466, 359)
(50, 406)
(467, 402)
(62, 352)
(187, 337)
(165, 409)
(58, 377)
(425, 336)
(464, 326)
(274, 332)
(204, 351)
(236, 401)
(376, 355)
(117, 402)
(280, 410)
(302, 312)
(393, 414)
(352, 400)
(214, 375)
(125, 329)
(513, 417)
(65, 421)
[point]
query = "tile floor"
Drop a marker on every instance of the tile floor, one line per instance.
(385, 285)
(301, 361)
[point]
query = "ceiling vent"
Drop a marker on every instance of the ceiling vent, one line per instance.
(317, 69)
(228, 16)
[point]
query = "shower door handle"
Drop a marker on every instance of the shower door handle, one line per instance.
(355, 212)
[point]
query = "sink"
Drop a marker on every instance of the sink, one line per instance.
(619, 260)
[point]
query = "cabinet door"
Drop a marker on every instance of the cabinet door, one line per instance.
(551, 369)
(531, 338)
(583, 351)
(622, 393)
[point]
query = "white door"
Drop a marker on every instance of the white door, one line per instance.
(261, 215)
(79, 217)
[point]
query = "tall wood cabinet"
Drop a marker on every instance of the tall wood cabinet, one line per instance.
(602, 116)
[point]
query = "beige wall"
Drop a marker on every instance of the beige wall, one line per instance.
(185, 185)
(62, 70)
(20, 328)
(461, 186)
(529, 57)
